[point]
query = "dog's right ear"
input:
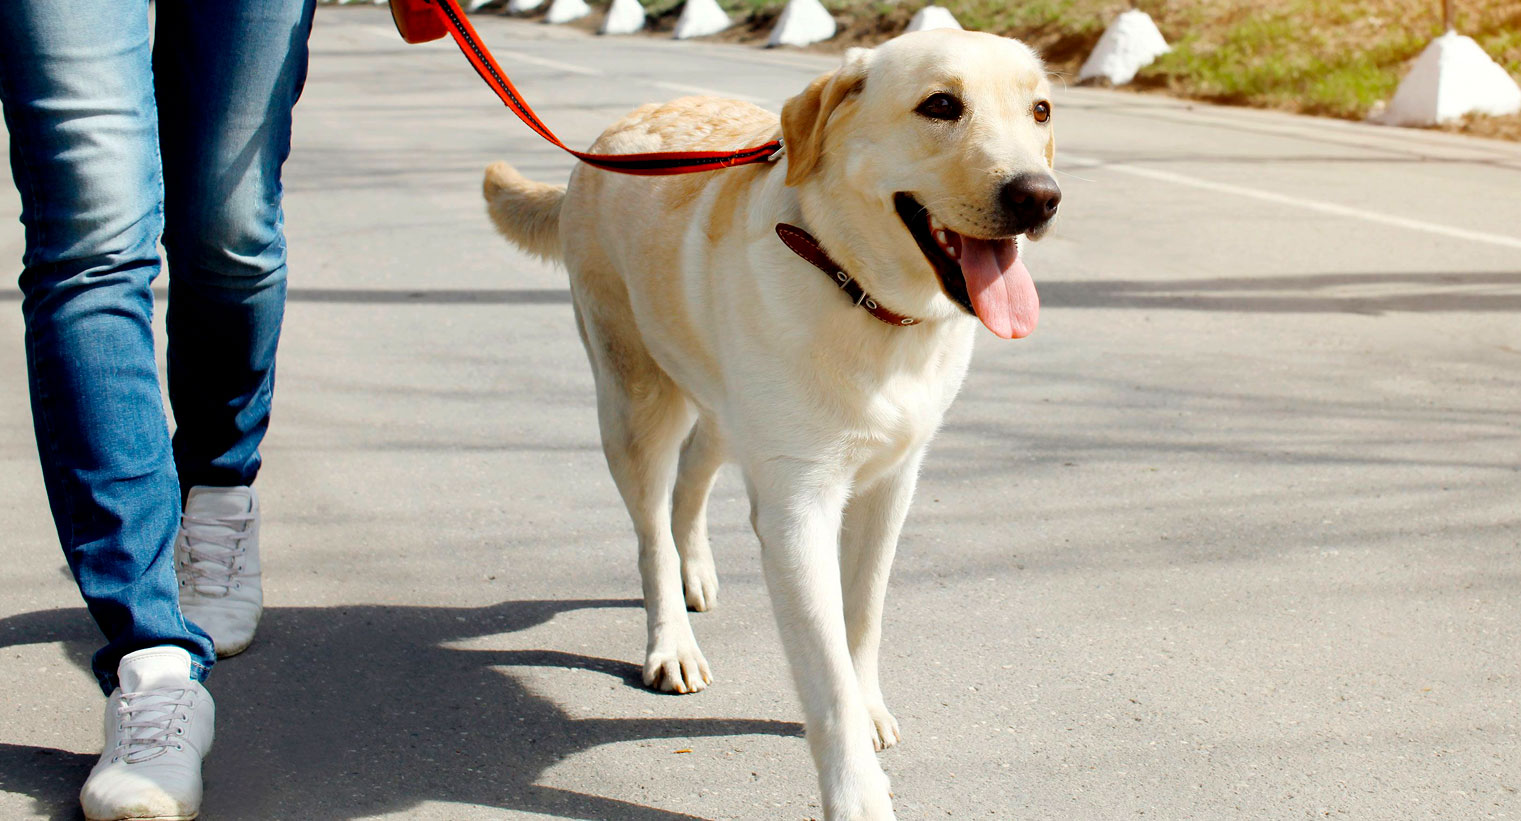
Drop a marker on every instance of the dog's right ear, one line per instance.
(805, 116)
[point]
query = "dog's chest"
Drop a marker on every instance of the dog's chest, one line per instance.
(903, 411)
(893, 412)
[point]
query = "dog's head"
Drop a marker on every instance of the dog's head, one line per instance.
(925, 159)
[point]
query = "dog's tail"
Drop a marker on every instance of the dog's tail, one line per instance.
(526, 212)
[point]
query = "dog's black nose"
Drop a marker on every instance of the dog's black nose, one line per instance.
(1032, 198)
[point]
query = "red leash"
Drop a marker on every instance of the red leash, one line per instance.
(420, 21)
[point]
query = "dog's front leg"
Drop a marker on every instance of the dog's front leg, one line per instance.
(873, 520)
(797, 517)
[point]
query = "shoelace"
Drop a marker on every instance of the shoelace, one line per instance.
(213, 551)
(147, 727)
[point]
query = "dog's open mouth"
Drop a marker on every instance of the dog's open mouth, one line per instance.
(984, 276)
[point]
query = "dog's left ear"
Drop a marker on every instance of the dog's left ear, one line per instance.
(1050, 147)
(805, 116)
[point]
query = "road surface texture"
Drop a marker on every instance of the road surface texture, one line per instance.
(1234, 535)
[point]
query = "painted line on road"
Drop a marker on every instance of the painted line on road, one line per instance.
(707, 92)
(545, 62)
(573, 68)
(1300, 202)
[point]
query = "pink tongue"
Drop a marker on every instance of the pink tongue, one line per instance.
(1002, 292)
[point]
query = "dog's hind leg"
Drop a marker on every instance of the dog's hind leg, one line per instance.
(644, 416)
(701, 457)
(869, 538)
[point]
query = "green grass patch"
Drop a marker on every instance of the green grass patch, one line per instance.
(1273, 59)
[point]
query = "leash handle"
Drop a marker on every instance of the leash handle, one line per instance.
(420, 21)
(417, 21)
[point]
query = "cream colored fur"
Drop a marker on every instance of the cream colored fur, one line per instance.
(710, 340)
(526, 212)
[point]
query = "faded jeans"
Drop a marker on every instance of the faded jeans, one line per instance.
(117, 143)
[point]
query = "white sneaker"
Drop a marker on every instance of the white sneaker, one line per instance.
(159, 726)
(216, 558)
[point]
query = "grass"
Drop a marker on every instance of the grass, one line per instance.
(1333, 58)
(1337, 58)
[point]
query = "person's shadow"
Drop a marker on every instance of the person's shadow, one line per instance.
(345, 712)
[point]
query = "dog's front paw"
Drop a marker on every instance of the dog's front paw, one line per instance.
(677, 667)
(873, 803)
(885, 731)
(700, 581)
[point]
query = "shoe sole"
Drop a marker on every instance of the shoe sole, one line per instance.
(226, 654)
(145, 817)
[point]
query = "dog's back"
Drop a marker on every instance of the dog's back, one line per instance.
(528, 213)
(622, 237)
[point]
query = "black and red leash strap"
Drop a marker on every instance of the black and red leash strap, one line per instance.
(651, 164)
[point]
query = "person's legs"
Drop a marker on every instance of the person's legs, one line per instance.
(78, 97)
(228, 74)
(79, 107)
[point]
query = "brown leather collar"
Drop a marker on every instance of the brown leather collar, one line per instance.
(804, 245)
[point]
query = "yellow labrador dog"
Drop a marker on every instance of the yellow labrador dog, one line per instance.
(819, 356)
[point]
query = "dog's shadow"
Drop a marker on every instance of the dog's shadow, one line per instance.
(346, 712)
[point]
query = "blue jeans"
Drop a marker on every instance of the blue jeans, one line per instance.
(117, 143)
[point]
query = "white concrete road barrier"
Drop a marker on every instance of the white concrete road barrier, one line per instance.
(933, 17)
(700, 18)
(1130, 44)
(1451, 79)
(802, 22)
(624, 17)
(564, 11)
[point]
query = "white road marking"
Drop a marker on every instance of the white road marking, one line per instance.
(1300, 202)
(545, 62)
(382, 31)
(559, 65)
(710, 92)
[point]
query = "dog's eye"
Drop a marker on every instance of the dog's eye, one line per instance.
(940, 106)
(1042, 111)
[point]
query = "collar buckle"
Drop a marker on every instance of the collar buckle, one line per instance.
(803, 244)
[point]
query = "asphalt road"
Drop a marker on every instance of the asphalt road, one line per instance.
(1233, 535)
